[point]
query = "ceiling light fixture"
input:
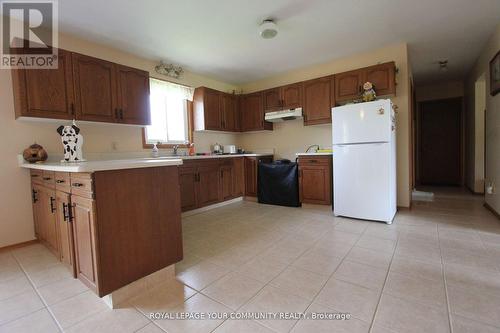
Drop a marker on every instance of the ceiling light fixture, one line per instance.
(268, 29)
(443, 65)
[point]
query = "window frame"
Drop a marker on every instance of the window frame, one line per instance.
(189, 106)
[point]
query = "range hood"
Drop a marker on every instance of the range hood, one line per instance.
(278, 116)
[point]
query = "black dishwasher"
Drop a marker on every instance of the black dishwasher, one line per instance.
(278, 183)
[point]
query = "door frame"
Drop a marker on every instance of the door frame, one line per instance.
(418, 134)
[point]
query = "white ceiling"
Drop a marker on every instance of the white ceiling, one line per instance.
(220, 38)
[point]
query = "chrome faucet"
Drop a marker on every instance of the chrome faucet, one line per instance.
(175, 147)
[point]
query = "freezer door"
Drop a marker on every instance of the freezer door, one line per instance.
(363, 122)
(362, 186)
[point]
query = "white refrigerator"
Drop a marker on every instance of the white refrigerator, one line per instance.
(364, 161)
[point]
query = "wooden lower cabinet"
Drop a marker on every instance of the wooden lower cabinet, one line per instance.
(209, 181)
(209, 191)
(84, 235)
(315, 180)
(114, 227)
(65, 229)
(251, 173)
(47, 219)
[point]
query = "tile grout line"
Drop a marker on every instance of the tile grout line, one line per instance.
(269, 284)
(445, 284)
(370, 329)
(38, 294)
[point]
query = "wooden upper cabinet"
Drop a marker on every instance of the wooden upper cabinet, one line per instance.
(133, 96)
(383, 78)
(207, 109)
(252, 113)
(348, 85)
(230, 112)
(292, 96)
(272, 99)
(285, 97)
(45, 93)
(95, 89)
(318, 101)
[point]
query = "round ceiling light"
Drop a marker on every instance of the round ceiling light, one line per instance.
(268, 29)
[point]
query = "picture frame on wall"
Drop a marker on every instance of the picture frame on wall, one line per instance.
(495, 74)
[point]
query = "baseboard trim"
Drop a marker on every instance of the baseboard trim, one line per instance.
(492, 210)
(207, 208)
(18, 245)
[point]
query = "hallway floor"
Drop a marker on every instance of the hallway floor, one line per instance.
(435, 269)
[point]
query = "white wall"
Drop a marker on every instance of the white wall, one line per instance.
(492, 116)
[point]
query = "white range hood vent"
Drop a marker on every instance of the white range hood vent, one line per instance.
(278, 116)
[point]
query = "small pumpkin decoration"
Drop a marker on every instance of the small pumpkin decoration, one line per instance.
(35, 153)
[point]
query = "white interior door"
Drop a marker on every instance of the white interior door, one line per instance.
(361, 181)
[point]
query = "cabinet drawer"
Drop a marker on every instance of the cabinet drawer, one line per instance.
(81, 184)
(49, 179)
(36, 176)
(63, 182)
(323, 160)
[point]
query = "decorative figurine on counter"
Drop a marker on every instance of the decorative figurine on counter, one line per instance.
(35, 153)
(72, 142)
(369, 92)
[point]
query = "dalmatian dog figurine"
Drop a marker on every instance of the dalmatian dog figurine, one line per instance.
(72, 142)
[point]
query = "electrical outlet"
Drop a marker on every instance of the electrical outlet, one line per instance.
(490, 188)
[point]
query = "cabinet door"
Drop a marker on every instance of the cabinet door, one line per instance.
(272, 99)
(250, 176)
(314, 184)
(45, 93)
(383, 78)
(317, 107)
(95, 89)
(212, 109)
(226, 178)
(253, 113)
(229, 112)
(65, 229)
(188, 182)
(35, 201)
(133, 96)
(348, 85)
(85, 241)
(208, 184)
(292, 96)
(238, 176)
(48, 212)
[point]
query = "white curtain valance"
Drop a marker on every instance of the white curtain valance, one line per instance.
(172, 89)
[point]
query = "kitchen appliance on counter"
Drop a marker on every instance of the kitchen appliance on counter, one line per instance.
(229, 149)
(364, 167)
(217, 149)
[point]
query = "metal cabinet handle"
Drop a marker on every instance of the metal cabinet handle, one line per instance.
(47, 178)
(33, 195)
(60, 181)
(77, 184)
(34, 176)
(52, 207)
(65, 212)
(121, 114)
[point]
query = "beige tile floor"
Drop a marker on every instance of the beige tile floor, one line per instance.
(436, 269)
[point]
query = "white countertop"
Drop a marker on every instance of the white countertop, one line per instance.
(92, 166)
(314, 154)
(117, 164)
